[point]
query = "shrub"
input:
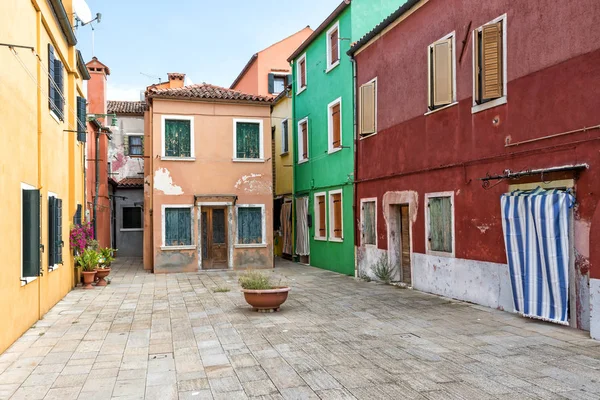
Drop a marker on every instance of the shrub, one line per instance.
(106, 257)
(254, 280)
(88, 260)
(80, 236)
(383, 270)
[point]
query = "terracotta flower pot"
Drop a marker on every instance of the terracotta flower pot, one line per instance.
(102, 273)
(266, 300)
(88, 279)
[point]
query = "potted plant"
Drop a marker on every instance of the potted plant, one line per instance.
(88, 262)
(260, 293)
(106, 259)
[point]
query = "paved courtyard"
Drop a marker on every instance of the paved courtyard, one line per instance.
(174, 337)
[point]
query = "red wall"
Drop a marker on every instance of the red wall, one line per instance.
(553, 62)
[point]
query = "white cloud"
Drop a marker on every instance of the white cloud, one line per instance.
(123, 92)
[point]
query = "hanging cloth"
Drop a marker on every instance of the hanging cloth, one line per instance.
(286, 224)
(302, 246)
(536, 236)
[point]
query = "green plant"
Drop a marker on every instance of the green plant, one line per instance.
(106, 257)
(93, 244)
(220, 290)
(364, 276)
(254, 280)
(88, 260)
(383, 270)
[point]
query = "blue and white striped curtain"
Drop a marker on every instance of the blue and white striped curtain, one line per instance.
(536, 235)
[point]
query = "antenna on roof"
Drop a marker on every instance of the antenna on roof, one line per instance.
(83, 17)
(152, 76)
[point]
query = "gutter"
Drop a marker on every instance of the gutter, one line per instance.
(83, 71)
(63, 21)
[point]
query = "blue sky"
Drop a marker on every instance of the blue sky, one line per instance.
(208, 40)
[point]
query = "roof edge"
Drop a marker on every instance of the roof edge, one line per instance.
(83, 71)
(210, 100)
(244, 70)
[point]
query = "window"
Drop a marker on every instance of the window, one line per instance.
(301, 72)
(30, 239)
(334, 113)
(489, 62)
(132, 218)
(248, 140)
(55, 240)
(285, 132)
(177, 226)
(250, 224)
(440, 223)
(335, 216)
(303, 141)
(368, 108)
(320, 217)
(178, 138)
(134, 145)
(277, 83)
(81, 119)
(441, 73)
(333, 48)
(55, 84)
(369, 221)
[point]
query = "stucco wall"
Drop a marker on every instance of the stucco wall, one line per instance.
(129, 242)
(122, 165)
(283, 161)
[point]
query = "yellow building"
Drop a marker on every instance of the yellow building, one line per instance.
(281, 120)
(41, 168)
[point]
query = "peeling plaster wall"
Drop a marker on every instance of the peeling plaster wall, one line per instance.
(595, 308)
(164, 182)
(121, 165)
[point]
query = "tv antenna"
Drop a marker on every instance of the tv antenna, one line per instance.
(152, 76)
(83, 17)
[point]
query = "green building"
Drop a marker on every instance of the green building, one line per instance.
(323, 140)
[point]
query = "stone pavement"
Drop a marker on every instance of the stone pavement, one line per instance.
(173, 337)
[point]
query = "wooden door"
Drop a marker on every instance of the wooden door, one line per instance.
(214, 238)
(405, 245)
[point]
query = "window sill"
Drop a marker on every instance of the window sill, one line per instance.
(441, 108)
(55, 117)
(26, 281)
(337, 240)
(303, 161)
(363, 137)
(166, 158)
(136, 156)
(52, 268)
(302, 89)
(440, 254)
(320, 239)
(334, 150)
(490, 104)
(285, 153)
(131, 229)
(332, 66)
(369, 245)
(176, 248)
(249, 160)
(251, 246)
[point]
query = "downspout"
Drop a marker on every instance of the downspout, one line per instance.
(97, 172)
(38, 23)
(294, 158)
(354, 192)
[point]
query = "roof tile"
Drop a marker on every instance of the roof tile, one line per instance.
(125, 107)
(131, 182)
(207, 91)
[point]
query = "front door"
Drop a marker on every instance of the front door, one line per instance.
(214, 238)
(399, 245)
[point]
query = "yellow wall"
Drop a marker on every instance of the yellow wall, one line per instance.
(36, 151)
(283, 174)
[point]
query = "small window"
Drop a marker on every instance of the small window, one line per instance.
(440, 223)
(178, 138)
(320, 217)
(369, 222)
(335, 216)
(441, 73)
(132, 218)
(135, 145)
(247, 140)
(368, 108)
(303, 140)
(285, 132)
(333, 48)
(278, 84)
(489, 61)
(250, 225)
(178, 226)
(301, 72)
(55, 241)
(334, 111)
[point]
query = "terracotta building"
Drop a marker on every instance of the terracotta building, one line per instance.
(208, 180)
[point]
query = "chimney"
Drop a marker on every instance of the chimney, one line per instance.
(96, 86)
(176, 79)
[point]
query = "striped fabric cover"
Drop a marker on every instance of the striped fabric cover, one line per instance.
(302, 243)
(536, 236)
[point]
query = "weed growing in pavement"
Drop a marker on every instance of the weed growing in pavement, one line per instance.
(383, 270)
(221, 290)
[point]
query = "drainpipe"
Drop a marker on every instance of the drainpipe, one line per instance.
(97, 172)
(354, 192)
(294, 158)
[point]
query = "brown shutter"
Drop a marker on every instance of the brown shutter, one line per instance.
(335, 122)
(302, 73)
(304, 127)
(442, 72)
(491, 61)
(322, 215)
(334, 38)
(367, 108)
(337, 215)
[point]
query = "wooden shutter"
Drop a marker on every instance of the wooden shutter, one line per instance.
(304, 127)
(31, 233)
(81, 119)
(491, 61)
(440, 224)
(271, 83)
(337, 215)
(367, 108)
(441, 76)
(51, 89)
(334, 45)
(284, 136)
(302, 68)
(336, 126)
(322, 216)
(51, 230)
(58, 240)
(59, 101)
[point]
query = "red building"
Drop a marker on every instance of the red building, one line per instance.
(458, 104)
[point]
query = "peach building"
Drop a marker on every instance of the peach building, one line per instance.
(208, 196)
(268, 72)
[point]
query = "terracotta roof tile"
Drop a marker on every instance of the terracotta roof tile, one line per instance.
(207, 91)
(125, 107)
(131, 182)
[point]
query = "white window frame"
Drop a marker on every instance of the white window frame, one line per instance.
(362, 219)
(501, 100)
(331, 65)
(427, 224)
(299, 87)
(283, 123)
(318, 216)
(300, 148)
(55, 266)
(261, 159)
(24, 280)
(264, 226)
(429, 66)
(190, 118)
(164, 207)
(330, 148)
(332, 237)
(279, 75)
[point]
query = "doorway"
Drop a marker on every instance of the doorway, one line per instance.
(399, 236)
(214, 238)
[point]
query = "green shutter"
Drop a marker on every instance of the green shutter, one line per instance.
(77, 216)
(31, 233)
(81, 119)
(51, 230)
(271, 83)
(440, 224)
(178, 227)
(289, 80)
(51, 89)
(58, 240)
(249, 225)
(247, 140)
(59, 102)
(177, 138)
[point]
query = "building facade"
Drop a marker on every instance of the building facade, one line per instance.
(483, 116)
(43, 114)
(209, 202)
